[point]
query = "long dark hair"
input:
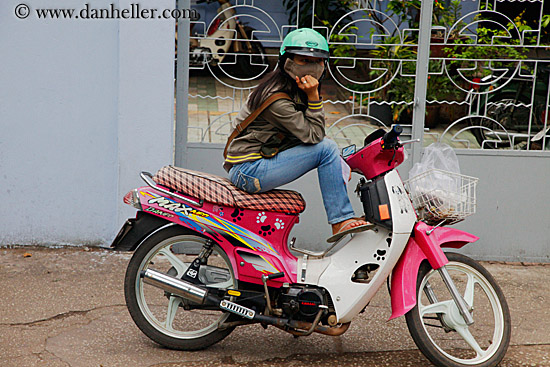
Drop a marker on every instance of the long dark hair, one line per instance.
(276, 81)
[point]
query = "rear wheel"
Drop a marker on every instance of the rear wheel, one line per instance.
(244, 63)
(439, 330)
(165, 318)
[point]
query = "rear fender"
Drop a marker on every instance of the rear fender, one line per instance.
(419, 248)
(136, 230)
(158, 212)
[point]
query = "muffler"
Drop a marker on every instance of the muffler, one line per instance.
(174, 285)
(199, 295)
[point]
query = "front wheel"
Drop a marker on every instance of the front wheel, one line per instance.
(439, 330)
(166, 318)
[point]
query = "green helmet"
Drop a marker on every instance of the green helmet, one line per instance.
(306, 42)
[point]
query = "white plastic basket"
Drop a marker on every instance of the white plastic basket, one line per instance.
(439, 196)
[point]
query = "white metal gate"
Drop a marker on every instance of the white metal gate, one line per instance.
(473, 74)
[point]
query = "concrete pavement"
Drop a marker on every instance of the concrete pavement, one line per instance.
(65, 307)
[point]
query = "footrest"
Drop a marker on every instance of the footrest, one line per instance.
(337, 236)
(237, 309)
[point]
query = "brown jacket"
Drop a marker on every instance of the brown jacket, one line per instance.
(289, 117)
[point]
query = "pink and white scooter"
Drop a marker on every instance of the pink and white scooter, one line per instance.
(210, 257)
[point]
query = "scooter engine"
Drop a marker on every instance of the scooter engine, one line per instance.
(302, 303)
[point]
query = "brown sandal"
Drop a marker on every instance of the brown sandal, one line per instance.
(343, 231)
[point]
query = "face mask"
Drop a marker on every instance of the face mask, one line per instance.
(295, 70)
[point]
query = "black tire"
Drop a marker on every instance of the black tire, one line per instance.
(511, 116)
(437, 336)
(252, 66)
(166, 251)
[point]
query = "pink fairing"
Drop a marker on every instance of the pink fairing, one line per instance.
(421, 247)
(372, 160)
(254, 240)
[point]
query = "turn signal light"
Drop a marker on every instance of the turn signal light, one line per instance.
(132, 199)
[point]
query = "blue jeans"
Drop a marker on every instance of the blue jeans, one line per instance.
(266, 174)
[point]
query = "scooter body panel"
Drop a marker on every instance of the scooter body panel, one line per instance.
(253, 240)
(372, 160)
(380, 249)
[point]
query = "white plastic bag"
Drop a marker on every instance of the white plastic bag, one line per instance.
(436, 156)
(435, 182)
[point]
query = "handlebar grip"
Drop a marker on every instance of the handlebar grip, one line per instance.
(390, 138)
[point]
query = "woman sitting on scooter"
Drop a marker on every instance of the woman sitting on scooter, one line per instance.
(287, 139)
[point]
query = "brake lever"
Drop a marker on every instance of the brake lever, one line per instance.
(393, 156)
(409, 141)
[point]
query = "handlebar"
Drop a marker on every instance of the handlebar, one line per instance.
(389, 141)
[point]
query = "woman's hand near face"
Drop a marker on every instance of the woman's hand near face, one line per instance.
(310, 86)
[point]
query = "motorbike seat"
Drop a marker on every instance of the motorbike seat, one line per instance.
(220, 191)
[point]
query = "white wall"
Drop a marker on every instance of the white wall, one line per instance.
(87, 104)
(84, 106)
(513, 205)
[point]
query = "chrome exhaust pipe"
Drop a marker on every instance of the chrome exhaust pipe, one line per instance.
(174, 285)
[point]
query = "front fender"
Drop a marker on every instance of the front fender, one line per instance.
(405, 272)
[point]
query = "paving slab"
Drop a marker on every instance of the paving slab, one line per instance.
(65, 307)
